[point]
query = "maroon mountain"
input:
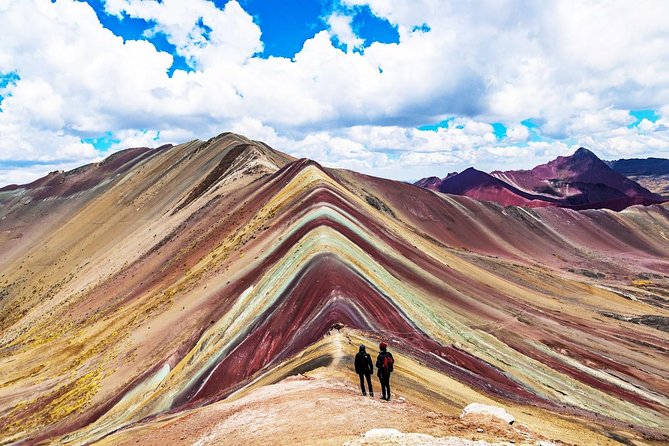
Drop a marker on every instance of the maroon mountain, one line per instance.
(579, 181)
(482, 186)
(429, 182)
(433, 182)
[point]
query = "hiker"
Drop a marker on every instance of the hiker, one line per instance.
(364, 368)
(384, 367)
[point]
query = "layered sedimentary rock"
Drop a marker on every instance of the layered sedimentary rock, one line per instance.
(184, 276)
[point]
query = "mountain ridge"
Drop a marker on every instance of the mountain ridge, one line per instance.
(640, 166)
(578, 181)
(651, 173)
(133, 303)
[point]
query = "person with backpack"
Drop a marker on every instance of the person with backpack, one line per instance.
(364, 368)
(384, 367)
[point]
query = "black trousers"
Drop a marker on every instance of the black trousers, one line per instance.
(385, 384)
(369, 382)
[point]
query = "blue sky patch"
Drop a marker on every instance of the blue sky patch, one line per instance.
(103, 142)
(288, 24)
(530, 123)
(371, 28)
(640, 115)
(206, 30)
(434, 127)
(7, 79)
(285, 25)
(339, 44)
(130, 28)
(499, 130)
(533, 125)
(424, 28)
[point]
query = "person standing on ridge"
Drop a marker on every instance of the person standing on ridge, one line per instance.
(364, 368)
(384, 367)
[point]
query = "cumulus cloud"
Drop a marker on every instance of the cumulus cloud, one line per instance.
(517, 133)
(576, 68)
(26, 174)
(205, 35)
(340, 28)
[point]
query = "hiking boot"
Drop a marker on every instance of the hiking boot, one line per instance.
(364, 394)
(371, 394)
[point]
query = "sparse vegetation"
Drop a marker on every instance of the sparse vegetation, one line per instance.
(641, 283)
(379, 205)
(588, 273)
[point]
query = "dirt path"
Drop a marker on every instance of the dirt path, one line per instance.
(312, 410)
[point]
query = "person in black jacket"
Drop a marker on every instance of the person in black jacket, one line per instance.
(384, 367)
(364, 369)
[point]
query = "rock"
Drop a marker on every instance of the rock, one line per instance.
(386, 437)
(299, 377)
(382, 433)
(483, 409)
(479, 430)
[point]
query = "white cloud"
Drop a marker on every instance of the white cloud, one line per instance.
(24, 175)
(135, 138)
(340, 27)
(646, 125)
(21, 141)
(596, 122)
(517, 133)
(202, 33)
(576, 67)
(414, 159)
(75, 79)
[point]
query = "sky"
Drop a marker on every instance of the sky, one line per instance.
(401, 89)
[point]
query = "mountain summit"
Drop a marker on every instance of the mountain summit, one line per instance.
(215, 292)
(578, 181)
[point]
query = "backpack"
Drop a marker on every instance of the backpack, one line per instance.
(387, 363)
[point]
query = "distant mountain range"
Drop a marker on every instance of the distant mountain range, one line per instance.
(579, 181)
(651, 173)
(636, 166)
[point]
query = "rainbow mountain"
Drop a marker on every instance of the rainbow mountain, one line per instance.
(160, 294)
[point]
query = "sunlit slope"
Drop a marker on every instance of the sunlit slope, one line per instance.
(208, 265)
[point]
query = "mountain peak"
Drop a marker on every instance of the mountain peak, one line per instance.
(472, 172)
(582, 159)
(582, 165)
(186, 263)
(429, 182)
(582, 152)
(581, 180)
(468, 179)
